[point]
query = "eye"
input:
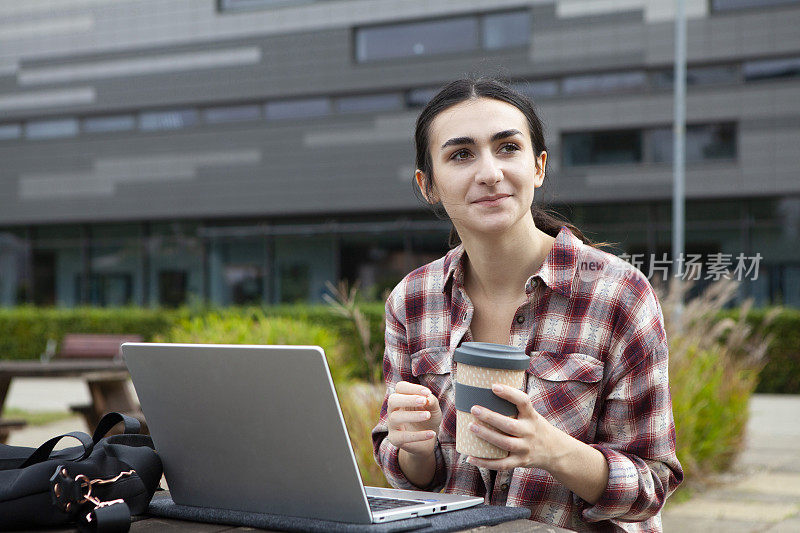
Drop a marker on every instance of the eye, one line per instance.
(455, 156)
(514, 147)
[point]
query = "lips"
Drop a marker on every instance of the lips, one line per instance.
(494, 198)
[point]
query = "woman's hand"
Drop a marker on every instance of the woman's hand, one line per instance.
(530, 440)
(533, 442)
(414, 418)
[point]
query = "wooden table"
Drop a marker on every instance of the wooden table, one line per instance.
(106, 379)
(159, 525)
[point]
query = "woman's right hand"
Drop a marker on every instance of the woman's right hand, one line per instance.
(414, 418)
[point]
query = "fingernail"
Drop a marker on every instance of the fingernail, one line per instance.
(421, 401)
(477, 411)
(473, 427)
(497, 388)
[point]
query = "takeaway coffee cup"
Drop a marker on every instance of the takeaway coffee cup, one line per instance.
(478, 366)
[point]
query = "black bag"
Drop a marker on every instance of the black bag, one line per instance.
(98, 484)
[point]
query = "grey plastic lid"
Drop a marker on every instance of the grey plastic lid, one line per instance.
(491, 355)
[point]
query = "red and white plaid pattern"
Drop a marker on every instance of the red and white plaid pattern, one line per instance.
(593, 328)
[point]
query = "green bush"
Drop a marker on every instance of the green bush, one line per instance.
(24, 331)
(781, 372)
(254, 327)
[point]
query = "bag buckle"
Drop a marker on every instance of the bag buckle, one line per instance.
(87, 484)
(68, 493)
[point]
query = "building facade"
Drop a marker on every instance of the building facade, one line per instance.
(157, 152)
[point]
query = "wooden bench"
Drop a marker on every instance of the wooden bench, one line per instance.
(109, 390)
(7, 425)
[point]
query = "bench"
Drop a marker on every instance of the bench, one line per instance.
(109, 390)
(7, 425)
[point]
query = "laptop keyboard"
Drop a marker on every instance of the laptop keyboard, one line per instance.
(377, 503)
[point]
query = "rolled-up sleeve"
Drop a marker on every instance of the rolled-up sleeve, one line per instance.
(636, 429)
(397, 367)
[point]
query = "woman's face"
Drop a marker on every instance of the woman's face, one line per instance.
(484, 166)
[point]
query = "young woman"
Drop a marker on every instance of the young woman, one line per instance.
(593, 446)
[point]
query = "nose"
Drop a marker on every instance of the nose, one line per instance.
(488, 172)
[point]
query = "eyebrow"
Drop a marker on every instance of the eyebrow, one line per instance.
(469, 140)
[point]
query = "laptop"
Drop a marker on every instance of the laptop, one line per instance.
(259, 428)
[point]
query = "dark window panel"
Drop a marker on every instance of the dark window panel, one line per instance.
(168, 120)
(10, 131)
(51, 129)
(537, 89)
(109, 123)
(244, 5)
(417, 39)
(238, 113)
(369, 103)
(704, 142)
(294, 109)
(604, 83)
(420, 97)
(732, 5)
(506, 30)
(716, 75)
(602, 147)
(772, 68)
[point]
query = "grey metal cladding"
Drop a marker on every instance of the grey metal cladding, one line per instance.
(289, 177)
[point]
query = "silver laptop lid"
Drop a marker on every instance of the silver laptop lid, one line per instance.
(202, 401)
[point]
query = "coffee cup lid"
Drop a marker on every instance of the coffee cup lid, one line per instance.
(491, 355)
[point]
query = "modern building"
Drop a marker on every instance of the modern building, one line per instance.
(157, 152)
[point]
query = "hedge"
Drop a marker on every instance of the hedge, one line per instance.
(24, 331)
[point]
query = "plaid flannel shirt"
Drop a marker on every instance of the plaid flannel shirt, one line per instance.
(593, 328)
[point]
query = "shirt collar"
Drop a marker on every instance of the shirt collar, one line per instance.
(557, 271)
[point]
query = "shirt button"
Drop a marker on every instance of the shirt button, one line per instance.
(465, 316)
(504, 487)
(520, 319)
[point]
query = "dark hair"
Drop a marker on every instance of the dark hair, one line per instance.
(469, 89)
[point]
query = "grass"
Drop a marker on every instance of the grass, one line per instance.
(36, 418)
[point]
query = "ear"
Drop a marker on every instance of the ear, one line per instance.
(541, 161)
(420, 177)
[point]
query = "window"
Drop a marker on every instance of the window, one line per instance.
(731, 5)
(420, 97)
(604, 83)
(369, 103)
(602, 147)
(704, 142)
(537, 89)
(109, 124)
(10, 131)
(51, 129)
(492, 31)
(664, 79)
(413, 39)
(238, 113)
(506, 30)
(772, 68)
(172, 285)
(168, 120)
(244, 5)
(303, 108)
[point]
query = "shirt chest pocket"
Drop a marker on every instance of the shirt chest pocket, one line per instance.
(564, 388)
(431, 367)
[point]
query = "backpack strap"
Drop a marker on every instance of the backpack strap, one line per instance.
(42, 453)
(110, 420)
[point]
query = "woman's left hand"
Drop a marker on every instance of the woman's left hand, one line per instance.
(531, 441)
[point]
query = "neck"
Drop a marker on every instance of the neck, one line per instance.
(499, 266)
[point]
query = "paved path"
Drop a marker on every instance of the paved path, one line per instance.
(761, 494)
